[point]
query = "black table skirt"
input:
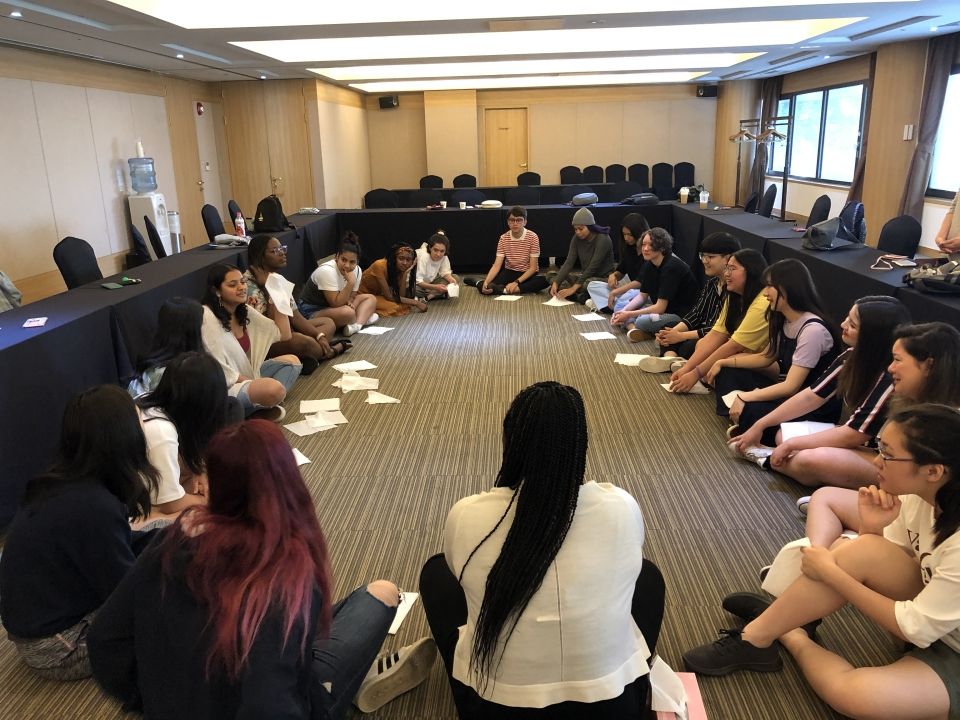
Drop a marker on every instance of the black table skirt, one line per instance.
(549, 194)
(925, 307)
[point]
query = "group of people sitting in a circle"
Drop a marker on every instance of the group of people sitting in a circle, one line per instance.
(196, 582)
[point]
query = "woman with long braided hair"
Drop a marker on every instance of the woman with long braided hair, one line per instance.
(533, 602)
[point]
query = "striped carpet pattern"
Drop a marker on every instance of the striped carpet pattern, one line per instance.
(383, 483)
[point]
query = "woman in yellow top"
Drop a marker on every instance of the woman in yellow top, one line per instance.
(391, 281)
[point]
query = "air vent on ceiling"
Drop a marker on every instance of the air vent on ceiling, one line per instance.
(514, 25)
(893, 26)
(791, 58)
(737, 74)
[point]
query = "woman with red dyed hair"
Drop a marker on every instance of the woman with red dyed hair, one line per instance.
(228, 614)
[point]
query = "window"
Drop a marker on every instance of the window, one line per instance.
(945, 175)
(824, 134)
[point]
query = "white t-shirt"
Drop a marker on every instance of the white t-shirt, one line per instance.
(428, 269)
(576, 640)
(327, 277)
(934, 614)
(163, 452)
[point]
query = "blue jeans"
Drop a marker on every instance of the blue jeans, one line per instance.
(647, 324)
(283, 372)
(342, 660)
(599, 291)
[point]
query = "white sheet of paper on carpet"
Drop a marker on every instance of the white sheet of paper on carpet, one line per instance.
(697, 389)
(407, 600)
(587, 317)
(348, 383)
(629, 359)
(507, 298)
(730, 397)
(602, 335)
(376, 398)
(558, 302)
(280, 290)
(303, 428)
(334, 417)
(355, 366)
(791, 430)
(300, 457)
(315, 406)
(375, 330)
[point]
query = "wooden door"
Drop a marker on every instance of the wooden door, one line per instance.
(286, 133)
(209, 162)
(505, 145)
(246, 129)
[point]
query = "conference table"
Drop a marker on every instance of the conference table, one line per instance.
(549, 194)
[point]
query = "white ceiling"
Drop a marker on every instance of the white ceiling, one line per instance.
(103, 30)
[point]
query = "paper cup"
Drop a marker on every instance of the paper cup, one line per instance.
(463, 205)
(453, 290)
(443, 203)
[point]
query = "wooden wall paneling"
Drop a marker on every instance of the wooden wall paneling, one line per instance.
(345, 153)
(154, 125)
(450, 118)
(311, 90)
(246, 130)
(838, 73)
(215, 108)
(28, 232)
(599, 134)
(71, 162)
(47, 67)
(553, 139)
(180, 105)
(38, 287)
(736, 100)
(397, 142)
(646, 129)
(693, 129)
(289, 148)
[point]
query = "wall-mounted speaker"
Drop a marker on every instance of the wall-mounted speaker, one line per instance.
(388, 102)
(707, 91)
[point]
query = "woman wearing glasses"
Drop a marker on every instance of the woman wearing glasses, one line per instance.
(903, 573)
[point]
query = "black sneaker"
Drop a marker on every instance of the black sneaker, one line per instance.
(748, 606)
(472, 282)
(308, 366)
(731, 653)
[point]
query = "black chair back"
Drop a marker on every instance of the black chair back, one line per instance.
(464, 181)
(683, 175)
(820, 210)
(528, 178)
(639, 173)
(158, 249)
(77, 262)
(568, 193)
(750, 205)
(423, 198)
(522, 195)
(570, 174)
(232, 210)
(211, 221)
(593, 174)
(139, 246)
(431, 181)
(625, 189)
(663, 180)
(381, 198)
(765, 208)
(615, 173)
(900, 236)
(471, 196)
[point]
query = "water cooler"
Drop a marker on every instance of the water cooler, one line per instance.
(154, 206)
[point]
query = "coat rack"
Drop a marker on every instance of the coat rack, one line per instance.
(769, 131)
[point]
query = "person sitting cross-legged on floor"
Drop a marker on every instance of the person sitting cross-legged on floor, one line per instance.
(516, 264)
(608, 297)
(434, 273)
(592, 249)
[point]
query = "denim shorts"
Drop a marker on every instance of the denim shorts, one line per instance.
(945, 662)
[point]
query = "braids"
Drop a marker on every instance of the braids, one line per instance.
(393, 279)
(544, 457)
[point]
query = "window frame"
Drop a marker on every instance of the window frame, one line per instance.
(932, 192)
(825, 90)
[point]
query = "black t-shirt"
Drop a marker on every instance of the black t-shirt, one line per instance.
(673, 281)
(631, 263)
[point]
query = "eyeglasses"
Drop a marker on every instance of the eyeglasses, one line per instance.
(278, 250)
(707, 256)
(885, 457)
(729, 269)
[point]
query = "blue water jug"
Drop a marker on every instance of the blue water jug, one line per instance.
(143, 178)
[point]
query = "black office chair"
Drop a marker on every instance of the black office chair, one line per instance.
(615, 173)
(470, 196)
(900, 236)
(593, 174)
(528, 178)
(77, 262)
(750, 205)
(625, 189)
(662, 175)
(423, 198)
(568, 193)
(464, 181)
(381, 198)
(233, 209)
(683, 176)
(155, 242)
(639, 173)
(211, 221)
(820, 210)
(570, 174)
(140, 254)
(765, 207)
(522, 195)
(431, 181)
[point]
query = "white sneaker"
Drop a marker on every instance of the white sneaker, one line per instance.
(677, 364)
(374, 319)
(591, 305)
(352, 329)
(654, 364)
(395, 673)
(802, 504)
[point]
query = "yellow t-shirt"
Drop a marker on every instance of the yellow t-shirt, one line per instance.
(753, 332)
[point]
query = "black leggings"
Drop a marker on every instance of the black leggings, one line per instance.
(532, 284)
(446, 609)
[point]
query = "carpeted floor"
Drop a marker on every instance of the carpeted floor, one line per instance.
(384, 482)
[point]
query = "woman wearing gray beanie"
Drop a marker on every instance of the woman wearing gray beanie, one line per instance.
(592, 248)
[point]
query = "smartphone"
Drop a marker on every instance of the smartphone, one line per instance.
(112, 286)
(904, 263)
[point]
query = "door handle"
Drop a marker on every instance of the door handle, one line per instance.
(276, 181)
(200, 183)
(523, 165)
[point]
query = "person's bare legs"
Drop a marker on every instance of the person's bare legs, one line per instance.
(837, 467)
(266, 392)
(831, 511)
(366, 306)
(341, 316)
(385, 591)
(323, 325)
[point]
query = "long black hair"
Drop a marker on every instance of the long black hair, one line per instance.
(637, 225)
(794, 285)
(257, 249)
(879, 316)
(350, 242)
(178, 331)
(211, 297)
(392, 273)
(191, 393)
(544, 457)
(101, 441)
(930, 433)
(737, 305)
(940, 344)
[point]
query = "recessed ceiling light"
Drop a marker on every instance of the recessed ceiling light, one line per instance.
(826, 57)
(542, 42)
(53, 12)
(263, 77)
(179, 56)
(16, 14)
(934, 28)
(528, 81)
(197, 53)
(302, 13)
(692, 61)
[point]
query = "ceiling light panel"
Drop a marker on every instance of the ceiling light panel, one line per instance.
(532, 81)
(534, 67)
(542, 42)
(300, 13)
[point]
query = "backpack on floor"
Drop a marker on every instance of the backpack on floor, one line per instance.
(269, 216)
